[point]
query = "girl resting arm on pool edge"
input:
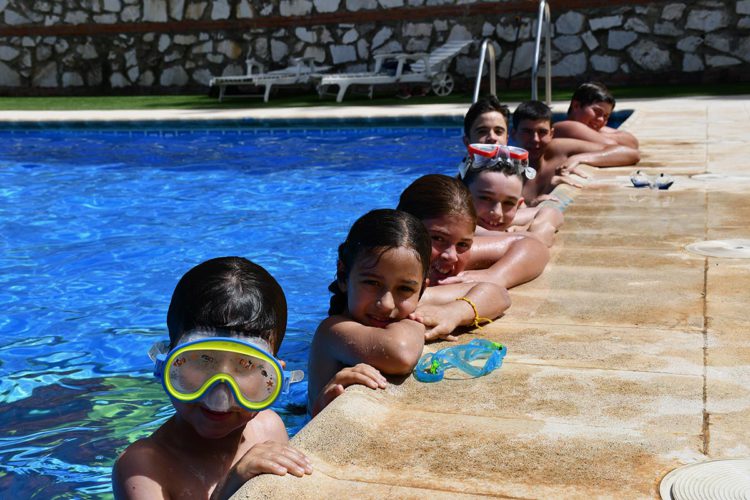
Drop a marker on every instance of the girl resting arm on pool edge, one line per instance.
(445, 207)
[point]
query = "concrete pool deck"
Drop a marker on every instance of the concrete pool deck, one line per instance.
(627, 358)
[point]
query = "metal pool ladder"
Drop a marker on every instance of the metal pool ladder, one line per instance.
(544, 19)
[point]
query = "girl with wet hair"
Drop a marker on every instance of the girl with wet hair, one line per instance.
(444, 205)
(381, 312)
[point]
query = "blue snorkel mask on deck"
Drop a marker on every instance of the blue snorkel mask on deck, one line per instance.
(432, 366)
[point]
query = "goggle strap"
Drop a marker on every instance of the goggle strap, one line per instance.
(463, 167)
(290, 378)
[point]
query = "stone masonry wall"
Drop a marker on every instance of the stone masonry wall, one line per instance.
(139, 46)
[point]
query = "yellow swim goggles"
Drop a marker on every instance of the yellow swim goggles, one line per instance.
(190, 370)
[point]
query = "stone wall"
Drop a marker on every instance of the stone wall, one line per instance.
(138, 46)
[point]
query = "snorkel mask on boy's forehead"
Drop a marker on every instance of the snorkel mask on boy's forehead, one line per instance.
(212, 369)
(482, 156)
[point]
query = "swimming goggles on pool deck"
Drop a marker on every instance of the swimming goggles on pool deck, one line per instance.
(190, 370)
(432, 366)
(483, 156)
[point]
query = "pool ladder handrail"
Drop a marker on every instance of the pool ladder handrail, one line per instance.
(487, 46)
(544, 18)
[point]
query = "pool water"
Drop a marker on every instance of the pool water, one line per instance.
(96, 228)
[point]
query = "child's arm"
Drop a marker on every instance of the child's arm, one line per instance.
(524, 216)
(361, 374)
(442, 309)
(572, 129)
(271, 456)
(504, 262)
(623, 137)
(543, 227)
(596, 155)
(394, 350)
(139, 473)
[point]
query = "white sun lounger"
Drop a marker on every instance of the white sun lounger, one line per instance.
(429, 68)
(298, 73)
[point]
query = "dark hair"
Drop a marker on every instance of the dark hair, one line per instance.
(509, 168)
(482, 106)
(372, 235)
(437, 195)
(590, 93)
(531, 110)
(228, 293)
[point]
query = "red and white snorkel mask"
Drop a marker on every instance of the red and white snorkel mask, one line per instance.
(482, 156)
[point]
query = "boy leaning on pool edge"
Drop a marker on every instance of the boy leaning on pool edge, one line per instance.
(588, 113)
(226, 321)
(556, 158)
(487, 122)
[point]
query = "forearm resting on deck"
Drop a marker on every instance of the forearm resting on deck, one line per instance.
(611, 156)
(394, 350)
(523, 261)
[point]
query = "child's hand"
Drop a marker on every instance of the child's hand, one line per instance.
(463, 277)
(439, 324)
(571, 167)
(544, 197)
(270, 457)
(362, 374)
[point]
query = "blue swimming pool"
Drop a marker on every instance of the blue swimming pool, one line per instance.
(97, 226)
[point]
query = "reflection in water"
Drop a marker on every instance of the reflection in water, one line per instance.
(97, 227)
(74, 428)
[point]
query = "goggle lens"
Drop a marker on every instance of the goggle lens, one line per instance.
(255, 377)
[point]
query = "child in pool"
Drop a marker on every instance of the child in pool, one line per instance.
(487, 122)
(375, 324)
(588, 113)
(554, 158)
(445, 207)
(496, 186)
(226, 319)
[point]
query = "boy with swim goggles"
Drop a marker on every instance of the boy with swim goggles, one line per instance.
(484, 156)
(211, 369)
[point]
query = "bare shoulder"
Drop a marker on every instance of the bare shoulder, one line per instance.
(565, 128)
(570, 129)
(338, 326)
(266, 426)
(565, 147)
(141, 471)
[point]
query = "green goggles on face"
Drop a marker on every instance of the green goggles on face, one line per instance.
(190, 370)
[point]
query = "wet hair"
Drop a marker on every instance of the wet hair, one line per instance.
(591, 92)
(228, 293)
(531, 110)
(436, 195)
(509, 168)
(484, 105)
(371, 236)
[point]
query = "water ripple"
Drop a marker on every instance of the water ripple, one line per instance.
(94, 236)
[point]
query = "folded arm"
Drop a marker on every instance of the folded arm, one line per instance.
(393, 350)
(442, 309)
(505, 262)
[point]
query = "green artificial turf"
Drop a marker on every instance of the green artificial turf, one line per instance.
(303, 98)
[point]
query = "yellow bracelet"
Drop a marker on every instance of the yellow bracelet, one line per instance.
(477, 323)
